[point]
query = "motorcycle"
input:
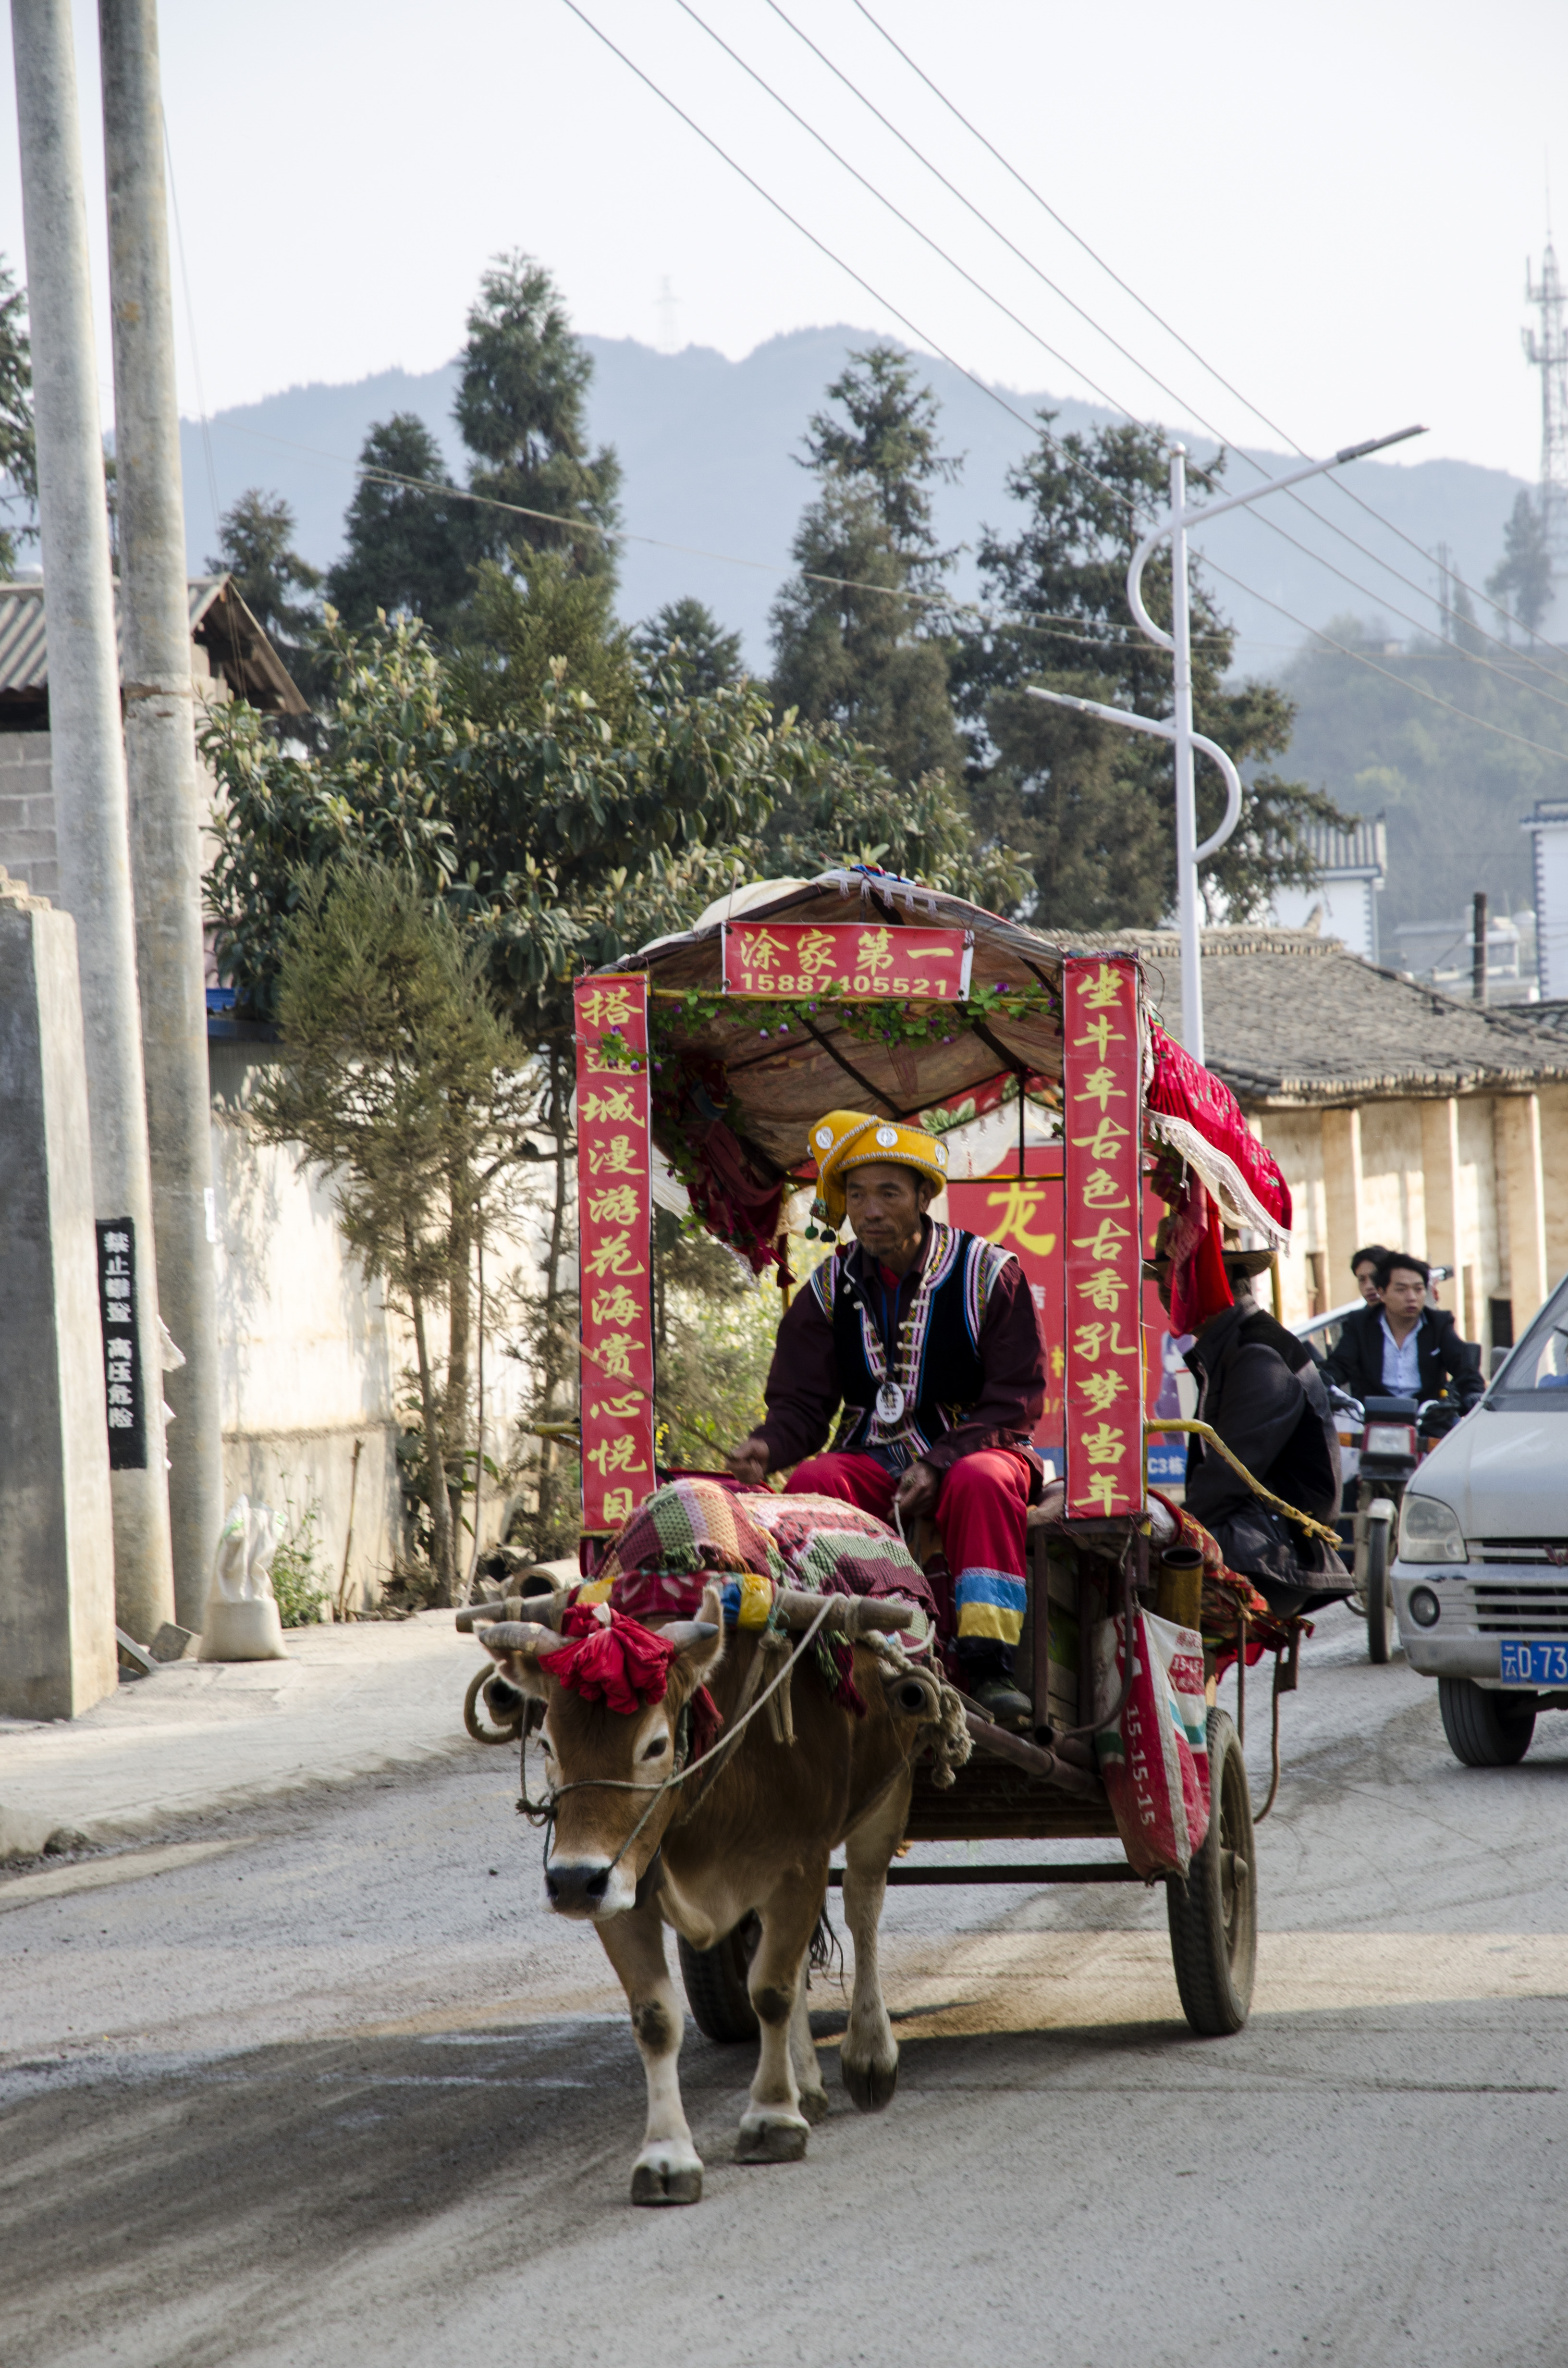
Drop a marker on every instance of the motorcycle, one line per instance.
(1396, 1433)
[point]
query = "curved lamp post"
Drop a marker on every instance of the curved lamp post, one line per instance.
(1179, 729)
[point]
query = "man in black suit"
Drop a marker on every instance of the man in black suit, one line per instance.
(1400, 1348)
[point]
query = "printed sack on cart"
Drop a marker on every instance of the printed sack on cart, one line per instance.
(1155, 1760)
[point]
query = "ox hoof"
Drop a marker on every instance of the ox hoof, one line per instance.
(813, 2104)
(666, 2180)
(870, 2086)
(777, 2139)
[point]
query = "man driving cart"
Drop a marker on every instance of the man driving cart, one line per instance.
(926, 1336)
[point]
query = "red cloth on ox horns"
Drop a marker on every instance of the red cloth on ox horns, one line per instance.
(611, 1659)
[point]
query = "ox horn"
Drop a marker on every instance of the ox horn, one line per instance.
(795, 1609)
(542, 1607)
(683, 1634)
(519, 1636)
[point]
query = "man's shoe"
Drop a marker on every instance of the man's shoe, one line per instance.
(1003, 1703)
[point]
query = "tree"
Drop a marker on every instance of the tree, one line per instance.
(850, 647)
(255, 539)
(410, 553)
(401, 1080)
(685, 641)
(1522, 579)
(18, 459)
(1091, 804)
(520, 411)
(537, 628)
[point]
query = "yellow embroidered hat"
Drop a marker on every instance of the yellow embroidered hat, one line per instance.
(846, 1139)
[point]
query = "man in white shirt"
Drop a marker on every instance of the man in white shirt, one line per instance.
(1402, 1348)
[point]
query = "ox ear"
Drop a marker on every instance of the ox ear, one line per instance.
(699, 1644)
(515, 1646)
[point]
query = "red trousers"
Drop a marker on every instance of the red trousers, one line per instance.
(980, 1512)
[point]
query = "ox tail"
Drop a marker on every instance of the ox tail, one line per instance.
(825, 1954)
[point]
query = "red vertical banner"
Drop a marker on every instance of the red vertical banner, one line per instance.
(615, 1211)
(1102, 1229)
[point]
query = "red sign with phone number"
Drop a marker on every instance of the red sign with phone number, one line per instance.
(866, 958)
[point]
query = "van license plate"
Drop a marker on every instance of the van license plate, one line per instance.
(1529, 1664)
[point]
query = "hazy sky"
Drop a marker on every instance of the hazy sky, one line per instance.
(1334, 203)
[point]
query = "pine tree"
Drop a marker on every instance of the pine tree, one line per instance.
(686, 640)
(520, 411)
(1091, 804)
(410, 552)
(255, 539)
(850, 647)
(19, 463)
(1522, 579)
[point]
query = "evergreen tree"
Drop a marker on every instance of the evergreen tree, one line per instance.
(1091, 804)
(1522, 579)
(19, 464)
(849, 647)
(255, 539)
(410, 552)
(686, 640)
(520, 411)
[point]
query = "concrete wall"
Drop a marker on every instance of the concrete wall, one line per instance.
(311, 1357)
(1452, 1182)
(26, 812)
(57, 1642)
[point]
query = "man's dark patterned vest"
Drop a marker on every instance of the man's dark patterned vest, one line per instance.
(940, 1366)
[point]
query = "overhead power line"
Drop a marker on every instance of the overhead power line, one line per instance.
(1558, 756)
(1469, 656)
(1347, 491)
(1034, 427)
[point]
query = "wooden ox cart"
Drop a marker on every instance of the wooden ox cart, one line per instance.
(723, 1045)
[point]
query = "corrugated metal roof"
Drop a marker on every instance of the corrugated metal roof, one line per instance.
(1364, 848)
(23, 639)
(1291, 1018)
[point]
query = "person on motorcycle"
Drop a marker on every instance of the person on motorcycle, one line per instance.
(1259, 1388)
(1364, 1267)
(1399, 1347)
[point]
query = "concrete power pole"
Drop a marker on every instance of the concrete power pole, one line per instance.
(160, 749)
(88, 764)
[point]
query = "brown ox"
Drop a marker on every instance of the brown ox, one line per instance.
(758, 1837)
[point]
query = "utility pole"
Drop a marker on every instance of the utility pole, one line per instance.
(1548, 352)
(160, 751)
(1477, 948)
(1178, 641)
(88, 769)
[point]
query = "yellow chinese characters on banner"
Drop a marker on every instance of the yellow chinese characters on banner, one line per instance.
(864, 959)
(1102, 1277)
(615, 1231)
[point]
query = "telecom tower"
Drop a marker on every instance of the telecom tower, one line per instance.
(1548, 352)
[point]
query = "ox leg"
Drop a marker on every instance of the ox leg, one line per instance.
(773, 2127)
(670, 2168)
(868, 2059)
(803, 2057)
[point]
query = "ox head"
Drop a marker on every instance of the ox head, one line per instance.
(594, 1753)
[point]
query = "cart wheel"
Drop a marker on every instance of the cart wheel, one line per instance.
(1381, 1626)
(1485, 1729)
(1214, 1916)
(716, 1983)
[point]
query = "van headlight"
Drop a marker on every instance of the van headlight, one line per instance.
(1429, 1531)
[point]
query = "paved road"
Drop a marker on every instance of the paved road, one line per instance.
(328, 2086)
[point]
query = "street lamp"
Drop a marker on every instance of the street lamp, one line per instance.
(1189, 855)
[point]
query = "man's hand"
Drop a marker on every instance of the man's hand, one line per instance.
(748, 1462)
(918, 1491)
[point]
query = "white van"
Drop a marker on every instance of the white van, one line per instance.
(1481, 1582)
